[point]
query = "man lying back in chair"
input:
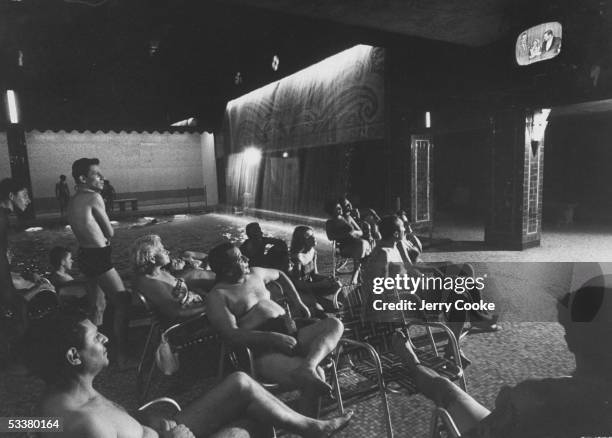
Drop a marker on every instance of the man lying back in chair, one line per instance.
(241, 308)
(68, 352)
(580, 405)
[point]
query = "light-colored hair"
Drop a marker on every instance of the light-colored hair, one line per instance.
(143, 253)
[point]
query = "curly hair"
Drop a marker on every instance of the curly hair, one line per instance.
(143, 252)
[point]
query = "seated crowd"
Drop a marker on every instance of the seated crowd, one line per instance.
(290, 334)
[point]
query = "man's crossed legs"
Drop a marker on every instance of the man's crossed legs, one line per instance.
(314, 343)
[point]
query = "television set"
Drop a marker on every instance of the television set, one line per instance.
(539, 43)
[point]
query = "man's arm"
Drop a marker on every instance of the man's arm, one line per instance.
(167, 305)
(291, 293)
(356, 232)
(101, 217)
(225, 322)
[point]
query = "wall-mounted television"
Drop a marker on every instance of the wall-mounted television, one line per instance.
(539, 43)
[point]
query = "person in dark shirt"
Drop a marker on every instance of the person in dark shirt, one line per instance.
(62, 194)
(13, 320)
(263, 251)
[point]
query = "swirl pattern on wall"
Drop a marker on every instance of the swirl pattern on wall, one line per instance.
(338, 100)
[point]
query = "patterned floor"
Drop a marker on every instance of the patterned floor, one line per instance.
(530, 345)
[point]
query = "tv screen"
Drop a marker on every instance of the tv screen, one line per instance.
(538, 43)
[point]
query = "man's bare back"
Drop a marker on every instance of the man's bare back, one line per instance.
(85, 211)
(94, 416)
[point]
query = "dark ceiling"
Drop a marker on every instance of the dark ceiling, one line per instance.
(89, 64)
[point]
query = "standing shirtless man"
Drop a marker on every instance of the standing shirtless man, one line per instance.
(241, 308)
(93, 230)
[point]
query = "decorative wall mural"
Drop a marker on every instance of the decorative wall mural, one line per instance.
(338, 100)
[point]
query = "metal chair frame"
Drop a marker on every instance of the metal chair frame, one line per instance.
(145, 377)
(441, 420)
(339, 263)
(378, 364)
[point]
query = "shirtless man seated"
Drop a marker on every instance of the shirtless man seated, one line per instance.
(241, 308)
(68, 352)
(70, 288)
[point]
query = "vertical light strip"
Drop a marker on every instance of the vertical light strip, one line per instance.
(11, 99)
(427, 119)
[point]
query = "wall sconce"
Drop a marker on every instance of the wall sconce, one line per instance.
(11, 103)
(536, 127)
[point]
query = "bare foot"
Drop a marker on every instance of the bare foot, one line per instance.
(328, 428)
(306, 377)
(404, 349)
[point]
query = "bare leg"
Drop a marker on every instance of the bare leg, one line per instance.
(96, 302)
(113, 288)
(278, 368)
(240, 395)
(464, 409)
(315, 343)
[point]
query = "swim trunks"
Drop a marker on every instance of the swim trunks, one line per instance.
(95, 261)
(278, 324)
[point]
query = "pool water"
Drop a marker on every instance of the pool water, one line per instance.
(179, 233)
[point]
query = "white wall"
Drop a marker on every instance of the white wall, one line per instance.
(133, 162)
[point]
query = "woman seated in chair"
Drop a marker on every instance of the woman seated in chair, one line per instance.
(313, 287)
(169, 295)
(345, 232)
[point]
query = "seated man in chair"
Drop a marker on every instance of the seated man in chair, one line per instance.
(580, 405)
(390, 259)
(68, 353)
(241, 308)
(264, 251)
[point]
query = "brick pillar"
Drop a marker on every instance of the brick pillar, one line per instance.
(514, 219)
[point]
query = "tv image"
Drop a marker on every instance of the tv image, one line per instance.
(539, 43)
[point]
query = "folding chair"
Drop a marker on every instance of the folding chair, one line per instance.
(443, 425)
(181, 336)
(370, 359)
(340, 264)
